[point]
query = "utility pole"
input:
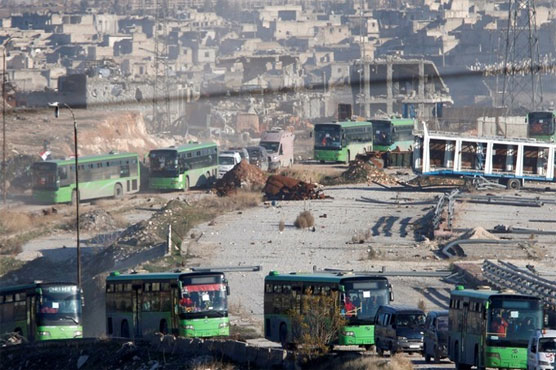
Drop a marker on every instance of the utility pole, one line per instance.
(522, 76)
(4, 195)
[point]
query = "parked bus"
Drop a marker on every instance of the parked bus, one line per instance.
(100, 176)
(179, 168)
(359, 297)
(489, 328)
(342, 141)
(42, 311)
(395, 134)
(541, 125)
(189, 304)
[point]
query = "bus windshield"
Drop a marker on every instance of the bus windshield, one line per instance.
(270, 146)
(328, 136)
(163, 161)
(44, 176)
(547, 345)
(363, 298)
(541, 123)
(203, 298)
(59, 305)
(513, 321)
(382, 132)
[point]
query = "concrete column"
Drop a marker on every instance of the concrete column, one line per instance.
(389, 89)
(417, 151)
(541, 161)
(421, 89)
(449, 154)
(510, 158)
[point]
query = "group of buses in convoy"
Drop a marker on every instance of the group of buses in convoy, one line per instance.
(482, 327)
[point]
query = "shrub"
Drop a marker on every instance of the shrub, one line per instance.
(304, 220)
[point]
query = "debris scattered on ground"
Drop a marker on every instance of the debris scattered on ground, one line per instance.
(97, 220)
(287, 188)
(362, 170)
(243, 175)
(436, 181)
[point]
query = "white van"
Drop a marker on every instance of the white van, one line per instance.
(541, 350)
(227, 161)
(279, 145)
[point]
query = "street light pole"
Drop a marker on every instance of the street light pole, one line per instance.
(77, 196)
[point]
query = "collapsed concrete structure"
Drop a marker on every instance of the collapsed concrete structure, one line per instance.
(410, 87)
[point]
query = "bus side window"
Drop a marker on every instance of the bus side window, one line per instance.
(268, 288)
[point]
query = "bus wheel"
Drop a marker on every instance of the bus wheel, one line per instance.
(124, 330)
(283, 334)
(513, 184)
(370, 348)
(118, 191)
(186, 185)
(380, 351)
(74, 197)
(436, 355)
(207, 182)
(322, 161)
(163, 327)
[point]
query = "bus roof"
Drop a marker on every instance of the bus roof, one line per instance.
(396, 121)
(320, 277)
(485, 294)
(346, 124)
(91, 158)
(188, 147)
(156, 276)
(22, 287)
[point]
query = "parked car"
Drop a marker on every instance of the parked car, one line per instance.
(243, 152)
(258, 156)
(399, 329)
(279, 145)
(227, 161)
(435, 341)
(541, 351)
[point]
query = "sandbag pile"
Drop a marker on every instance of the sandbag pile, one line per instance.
(243, 175)
(280, 187)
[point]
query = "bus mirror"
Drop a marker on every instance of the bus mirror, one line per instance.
(391, 296)
(311, 133)
(227, 289)
(342, 288)
(487, 305)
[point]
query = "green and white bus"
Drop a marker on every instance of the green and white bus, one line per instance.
(395, 134)
(179, 168)
(342, 141)
(100, 176)
(42, 311)
(542, 125)
(359, 296)
(192, 304)
(489, 328)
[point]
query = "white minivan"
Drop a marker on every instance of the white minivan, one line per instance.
(541, 350)
(227, 161)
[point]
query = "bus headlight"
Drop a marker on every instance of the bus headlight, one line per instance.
(189, 327)
(44, 333)
(77, 333)
(493, 354)
(223, 325)
(402, 338)
(349, 334)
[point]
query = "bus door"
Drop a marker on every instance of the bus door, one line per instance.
(31, 317)
(136, 307)
(464, 345)
(174, 315)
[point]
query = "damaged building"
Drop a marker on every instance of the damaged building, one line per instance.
(411, 88)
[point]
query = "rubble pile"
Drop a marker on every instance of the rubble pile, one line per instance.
(243, 175)
(97, 220)
(280, 187)
(361, 170)
(435, 181)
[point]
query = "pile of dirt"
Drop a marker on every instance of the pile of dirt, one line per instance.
(97, 220)
(478, 233)
(243, 175)
(280, 187)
